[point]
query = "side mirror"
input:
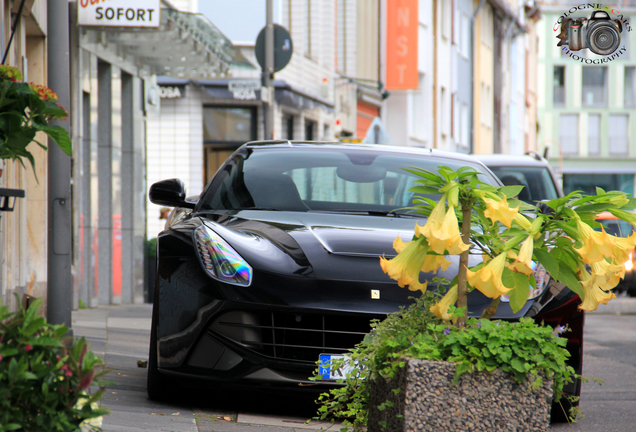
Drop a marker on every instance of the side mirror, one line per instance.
(169, 193)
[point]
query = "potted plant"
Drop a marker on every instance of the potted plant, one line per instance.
(391, 369)
(26, 109)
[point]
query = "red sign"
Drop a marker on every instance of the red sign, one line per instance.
(401, 45)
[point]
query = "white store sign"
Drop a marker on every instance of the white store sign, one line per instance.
(244, 89)
(119, 13)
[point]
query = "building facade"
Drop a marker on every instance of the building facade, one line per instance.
(587, 113)
(504, 78)
(114, 91)
(331, 88)
(23, 232)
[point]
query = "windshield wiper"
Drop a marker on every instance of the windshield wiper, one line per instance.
(372, 212)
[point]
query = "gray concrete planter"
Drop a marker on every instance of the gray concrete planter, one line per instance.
(478, 402)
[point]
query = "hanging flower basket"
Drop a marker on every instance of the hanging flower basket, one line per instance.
(26, 109)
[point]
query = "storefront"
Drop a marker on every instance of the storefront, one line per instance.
(202, 122)
(114, 91)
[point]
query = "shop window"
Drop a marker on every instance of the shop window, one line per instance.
(224, 130)
(559, 86)
(288, 126)
(594, 86)
(310, 130)
(229, 125)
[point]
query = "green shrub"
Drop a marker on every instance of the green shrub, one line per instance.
(45, 376)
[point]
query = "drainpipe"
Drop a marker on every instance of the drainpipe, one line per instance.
(59, 281)
(472, 74)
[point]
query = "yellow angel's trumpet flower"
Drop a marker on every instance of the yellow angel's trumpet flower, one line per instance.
(433, 262)
(440, 309)
(523, 222)
(405, 267)
(500, 211)
(593, 295)
(488, 278)
(517, 265)
(596, 245)
(623, 246)
(434, 221)
(443, 233)
(607, 275)
(525, 252)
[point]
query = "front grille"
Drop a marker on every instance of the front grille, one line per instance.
(294, 336)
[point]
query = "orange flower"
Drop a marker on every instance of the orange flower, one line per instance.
(488, 278)
(440, 309)
(500, 211)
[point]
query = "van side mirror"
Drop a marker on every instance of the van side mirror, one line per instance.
(169, 193)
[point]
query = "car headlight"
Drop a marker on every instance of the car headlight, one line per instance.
(541, 276)
(219, 260)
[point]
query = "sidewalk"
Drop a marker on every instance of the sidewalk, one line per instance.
(120, 336)
(622, 305)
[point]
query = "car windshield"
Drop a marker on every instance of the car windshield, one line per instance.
(537, 182)
(338, 180)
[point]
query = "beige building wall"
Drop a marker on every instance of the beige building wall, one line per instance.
(483, 109)
(368, 49)
(23, 232)
(532, 85)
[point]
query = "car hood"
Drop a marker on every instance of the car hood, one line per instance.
(330, 249)
(298, 234)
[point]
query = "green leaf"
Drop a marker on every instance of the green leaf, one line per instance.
(511, 191)
(519, 295)
(551, 266)
(567, 276)
(631, 205)
(60, 136)
(508, 278)
(624, 215)
(425, 190)
(518, 365)
(595, 208)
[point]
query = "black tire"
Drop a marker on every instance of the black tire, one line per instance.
(157, 385)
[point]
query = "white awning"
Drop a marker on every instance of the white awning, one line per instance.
(185, 45)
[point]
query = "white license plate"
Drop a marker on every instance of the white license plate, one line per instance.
(341, 373)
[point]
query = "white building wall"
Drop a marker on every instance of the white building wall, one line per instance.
(175, 149)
